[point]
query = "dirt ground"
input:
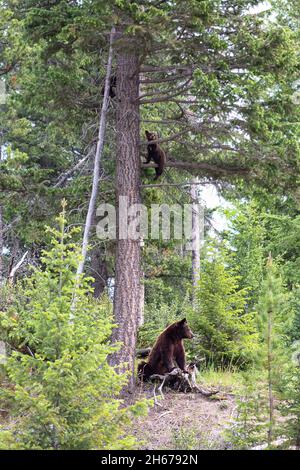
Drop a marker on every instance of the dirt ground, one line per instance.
(186, 421)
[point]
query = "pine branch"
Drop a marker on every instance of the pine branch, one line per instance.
(166, 68)
(166, 80)
(163, 98)
(203, 167)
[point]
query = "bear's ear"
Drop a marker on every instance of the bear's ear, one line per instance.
(183, 320)
(147, 133)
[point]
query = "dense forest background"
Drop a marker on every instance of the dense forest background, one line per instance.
(218, 81)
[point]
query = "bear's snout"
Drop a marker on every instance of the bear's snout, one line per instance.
(190, 334)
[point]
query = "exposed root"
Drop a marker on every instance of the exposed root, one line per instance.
(179, 381)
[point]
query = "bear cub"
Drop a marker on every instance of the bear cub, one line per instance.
(168, 351)
(155, 153)
(112, 86)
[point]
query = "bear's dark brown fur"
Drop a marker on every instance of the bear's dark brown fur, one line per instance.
(168, 351)
(112, 86)
(155, 153)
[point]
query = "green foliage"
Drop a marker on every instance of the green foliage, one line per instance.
(62, 394)
(285, 356)
(187, 438)
(251, 421)
(226, 333)
(184, 438)
(257, 420)
(246, 236)
(227, 378)
(284, 242)
(295, 305)
(157, 317)
(53, 70)
(290, 407)
(241, 69)
(166, 269)
(273, 312)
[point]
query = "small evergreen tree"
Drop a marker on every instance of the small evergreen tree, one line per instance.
(264, 384)
(273, 326)
(249, 426)
(62, 394)
(226, 333)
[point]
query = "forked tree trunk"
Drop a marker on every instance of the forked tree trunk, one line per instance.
(127, 272)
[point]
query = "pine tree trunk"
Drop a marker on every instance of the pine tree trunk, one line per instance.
(127, 270)
(142, 301)
(195, 237)
(1, 244)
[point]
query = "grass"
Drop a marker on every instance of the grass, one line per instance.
(229, 380)
(185, 438)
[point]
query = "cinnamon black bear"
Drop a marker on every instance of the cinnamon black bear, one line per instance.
(168, 351)
(155, 153)
(112, 86)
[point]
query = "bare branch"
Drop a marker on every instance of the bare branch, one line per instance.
(63, 178)
(98, 155)
(161, 121)
(188, 183)
(15, 269)
(167, 68)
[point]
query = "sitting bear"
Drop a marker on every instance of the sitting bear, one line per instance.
(168, 351)
(155, 153)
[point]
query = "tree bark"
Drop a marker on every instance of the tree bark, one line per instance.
(127, 277)
(142, 301)
(195, 238)
(1, 244)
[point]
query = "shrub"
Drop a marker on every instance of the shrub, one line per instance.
(226, 334)
(157, 318)
(63, 393)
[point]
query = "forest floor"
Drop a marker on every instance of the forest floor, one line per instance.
(189, 420)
